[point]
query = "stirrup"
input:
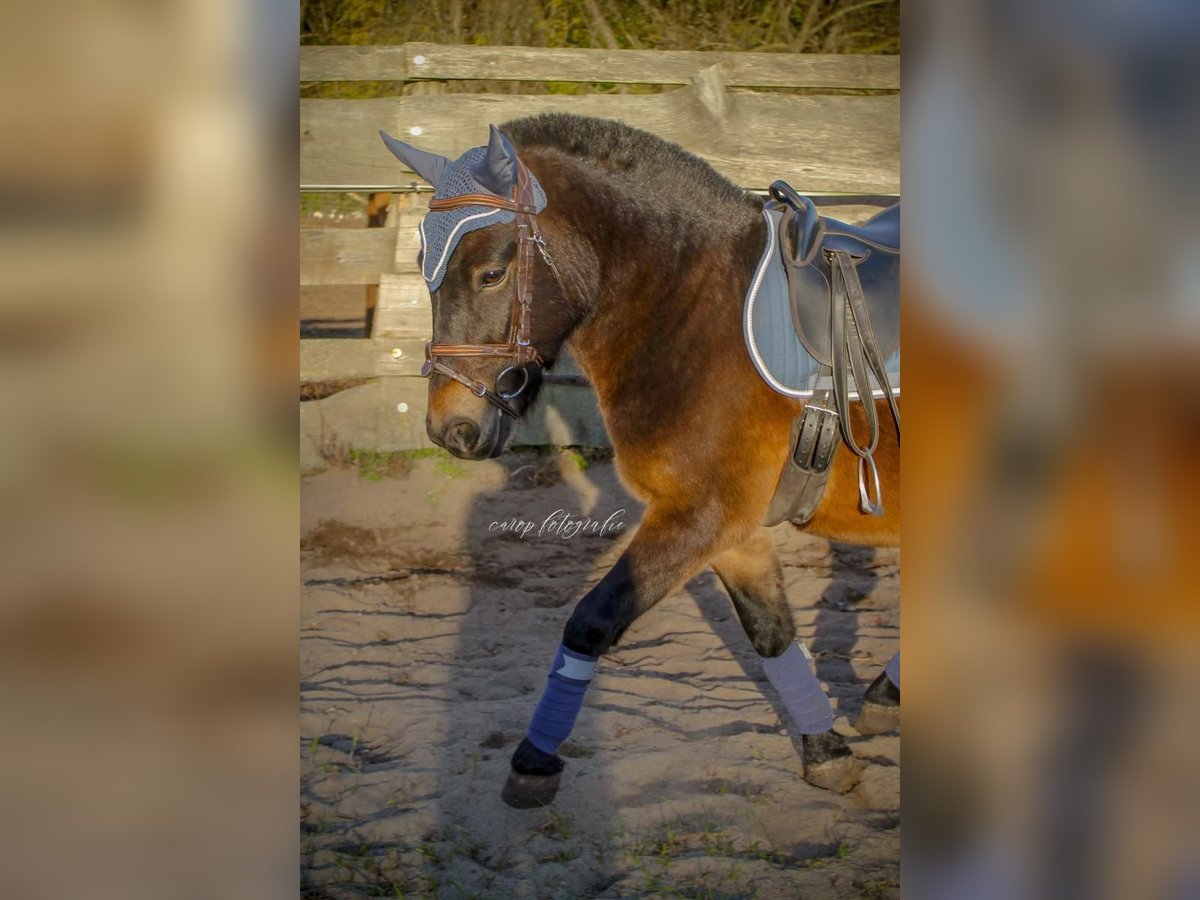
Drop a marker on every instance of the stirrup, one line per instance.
(871, 508)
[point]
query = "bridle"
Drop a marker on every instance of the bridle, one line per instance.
(518, 348)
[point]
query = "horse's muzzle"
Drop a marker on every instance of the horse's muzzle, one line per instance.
(471, 440)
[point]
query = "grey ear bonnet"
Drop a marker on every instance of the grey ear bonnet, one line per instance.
(481, 170)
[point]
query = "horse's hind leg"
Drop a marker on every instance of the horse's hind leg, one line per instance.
(880, 711)
(752, 575)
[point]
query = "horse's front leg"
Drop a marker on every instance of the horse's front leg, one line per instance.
(752, 575)
(668, 548)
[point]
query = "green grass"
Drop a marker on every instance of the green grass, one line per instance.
(578, 459)
(558, 826)
(451, 468)
(422, 453)
(375, 465)
(881, 889)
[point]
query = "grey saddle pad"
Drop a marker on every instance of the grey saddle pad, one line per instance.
(771, 327)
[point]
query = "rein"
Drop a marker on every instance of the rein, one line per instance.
(518, 348)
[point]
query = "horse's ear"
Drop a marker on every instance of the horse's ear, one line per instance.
(428, 165)
(497, 171)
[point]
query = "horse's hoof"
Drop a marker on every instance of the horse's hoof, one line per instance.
(530, 791)
(837, 775)
(880, 712)
(828, 762)
(534, 778)
(875, 718)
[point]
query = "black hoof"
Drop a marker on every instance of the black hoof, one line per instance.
(828, 762)
(530, 791)
(529, 760)
(880, 711)
(534, 778)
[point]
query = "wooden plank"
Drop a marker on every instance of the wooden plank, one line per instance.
(401, 414)
(822, 144)
(334, 359)
(405, 290)
(397, 321)
(331, 359)
(442, 62)
(346, 255)
(408, 239)
(389, 415)
(344, 63)
(403, 308)
(346, 421)
(342, 359)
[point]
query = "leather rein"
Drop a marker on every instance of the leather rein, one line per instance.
(518, 348)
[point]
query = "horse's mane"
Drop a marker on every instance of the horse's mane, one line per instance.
(652, 167)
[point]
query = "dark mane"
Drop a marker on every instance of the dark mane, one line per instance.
(645, 162)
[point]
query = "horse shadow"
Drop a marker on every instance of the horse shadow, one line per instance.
(527, 576)
(853, 578)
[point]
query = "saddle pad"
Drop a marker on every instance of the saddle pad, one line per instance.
(776, 351)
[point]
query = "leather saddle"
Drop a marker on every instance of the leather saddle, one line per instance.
(843, 285)
(808, 241)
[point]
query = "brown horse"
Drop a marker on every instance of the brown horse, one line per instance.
(649, 252)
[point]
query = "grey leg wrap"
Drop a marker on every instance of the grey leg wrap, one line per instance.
(792, 675)
(892, 670)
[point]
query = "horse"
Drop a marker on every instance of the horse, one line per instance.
(588, 232)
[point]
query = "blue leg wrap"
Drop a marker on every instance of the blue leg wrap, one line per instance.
(893, 670)
(793, 677)
(560, 704)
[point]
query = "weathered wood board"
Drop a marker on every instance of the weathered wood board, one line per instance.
(337, 359)
(443, 62)
(821, 144)
(346, 255)
(403, 307)
(389, 415)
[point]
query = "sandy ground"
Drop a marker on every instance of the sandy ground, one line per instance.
(426, 636)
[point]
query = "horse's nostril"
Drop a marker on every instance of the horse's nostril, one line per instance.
(461, 436)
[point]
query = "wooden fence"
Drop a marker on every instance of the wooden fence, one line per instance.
(827, 124)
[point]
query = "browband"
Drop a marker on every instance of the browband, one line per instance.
(518, 346)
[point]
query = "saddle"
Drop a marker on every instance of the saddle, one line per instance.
(840, 284)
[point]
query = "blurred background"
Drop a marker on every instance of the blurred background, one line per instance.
(148, 500)
(148, 505)
(1052, 321)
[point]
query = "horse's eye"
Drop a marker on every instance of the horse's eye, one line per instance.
(492, 276)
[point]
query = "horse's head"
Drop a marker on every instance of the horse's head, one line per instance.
(484, 261)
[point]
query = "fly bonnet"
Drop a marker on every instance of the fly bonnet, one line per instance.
(485, 186)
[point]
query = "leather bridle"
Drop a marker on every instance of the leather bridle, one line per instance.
(518, 348)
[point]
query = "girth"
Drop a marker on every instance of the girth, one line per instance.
(518, 347)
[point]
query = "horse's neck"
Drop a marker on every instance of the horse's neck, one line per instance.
(664, 301)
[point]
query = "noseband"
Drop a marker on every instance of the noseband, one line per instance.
(518, 347)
